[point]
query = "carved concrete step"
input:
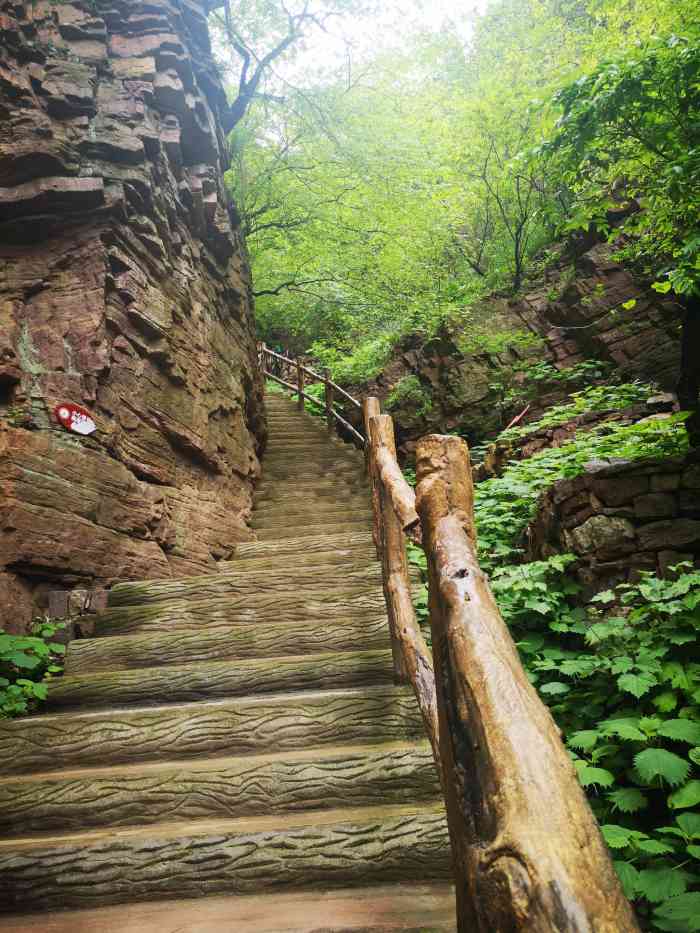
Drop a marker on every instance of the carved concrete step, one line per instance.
(300, 531)
(319, 507)
(342, 486)
(213, 615)
(317, 628)
(319, 778)
(327, 848)
(197, 730)
(214, 680)
(298, 469)
(338, 558)
(286, 518)
(410, 908)
(323, 543)
(258, 588)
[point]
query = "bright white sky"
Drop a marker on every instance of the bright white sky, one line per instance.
(361, 37)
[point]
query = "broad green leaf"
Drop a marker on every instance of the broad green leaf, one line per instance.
(658, 884)
(584, 740)
(658, 762)
(617, 837)
(686, 796)
(589, 776)
(554, 688)
(684, 908)
(636, 684)
(628, 799)
(690, 824)
(682, 730)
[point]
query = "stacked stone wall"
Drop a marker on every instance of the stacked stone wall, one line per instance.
(620, 518)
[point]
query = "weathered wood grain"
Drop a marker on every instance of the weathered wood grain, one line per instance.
(322, 778)
(195, 730)
(527, 850)
(331, 848)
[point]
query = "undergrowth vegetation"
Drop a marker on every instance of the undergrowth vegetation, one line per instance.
(27, 663)
(620, 674)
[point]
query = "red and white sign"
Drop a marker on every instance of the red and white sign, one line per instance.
(75, 418)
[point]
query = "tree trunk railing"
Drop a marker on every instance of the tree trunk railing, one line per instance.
(527, 853)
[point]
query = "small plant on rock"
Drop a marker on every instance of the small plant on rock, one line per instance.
(27, 662)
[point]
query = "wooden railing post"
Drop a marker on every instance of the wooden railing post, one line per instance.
(370, 408)
(300, 385)
(527, 853)
(328, 386)
(397, 587)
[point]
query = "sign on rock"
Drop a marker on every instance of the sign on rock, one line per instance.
(75, 418)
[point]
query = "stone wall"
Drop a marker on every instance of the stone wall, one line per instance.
(576, 312)
(124, 287)
(621, 517)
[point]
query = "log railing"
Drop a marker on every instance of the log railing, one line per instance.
(527, 853)
(292, 374)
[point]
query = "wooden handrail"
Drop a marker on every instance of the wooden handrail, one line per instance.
(527, 853)
(265, 354)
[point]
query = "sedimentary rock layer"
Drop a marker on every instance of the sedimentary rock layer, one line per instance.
(124, 288)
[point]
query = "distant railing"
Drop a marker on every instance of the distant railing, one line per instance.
(292, 375)
(528, 856)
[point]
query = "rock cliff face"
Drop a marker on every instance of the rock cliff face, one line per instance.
(123, 288)
(575, 314)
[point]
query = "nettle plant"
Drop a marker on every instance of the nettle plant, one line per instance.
(27, 663)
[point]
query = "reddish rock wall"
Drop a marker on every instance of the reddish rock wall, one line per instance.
(123, 287)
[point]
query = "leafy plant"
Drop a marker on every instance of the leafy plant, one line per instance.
(410, 395)
(27, 662)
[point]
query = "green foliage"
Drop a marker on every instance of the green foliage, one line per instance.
(603, 398)
(411, 397)
(26, 663)
(628, 132)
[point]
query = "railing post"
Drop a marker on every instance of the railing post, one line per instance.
(328, 386)
(300, 385)
(527, 853)
(370, 408)
(395, 577)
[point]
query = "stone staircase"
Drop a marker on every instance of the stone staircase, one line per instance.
(236, 735)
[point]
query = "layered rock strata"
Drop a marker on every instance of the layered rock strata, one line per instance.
(124, 288)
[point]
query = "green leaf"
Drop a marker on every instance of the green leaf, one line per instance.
(682, 730)
(554, 688)
(589, 776)
(694, 851)
(617, 837)
(684, 908)
(658, 884)
(661, 287)
(584, 739)
(628, 799)
(658, 762)
(629, 877)
(666, 701)
(690, 824)
(23, 660)
(654, 847)
(694, 755)
(636, 684)
(686, 796)
(628, 305)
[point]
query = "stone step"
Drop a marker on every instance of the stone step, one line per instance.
(313, 513)
(339, 558)
(321, 544)
(328, 848)
(319, 778)
(211, 618)
(213, 680)
(301, 505)
(281, 722)
(362, 625)
(410, 908)
(248, 589)
(300, 531)
(339, 486)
